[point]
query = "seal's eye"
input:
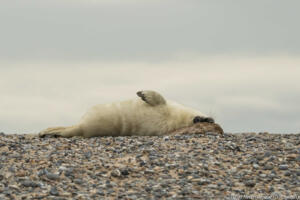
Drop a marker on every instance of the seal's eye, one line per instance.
(197, 119)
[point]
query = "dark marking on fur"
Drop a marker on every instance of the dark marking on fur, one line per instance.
(140, 94)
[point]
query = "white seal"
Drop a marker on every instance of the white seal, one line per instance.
(150, 114)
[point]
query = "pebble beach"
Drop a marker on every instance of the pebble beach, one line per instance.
(180, 166)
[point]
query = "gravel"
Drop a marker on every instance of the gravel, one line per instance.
(181, 166)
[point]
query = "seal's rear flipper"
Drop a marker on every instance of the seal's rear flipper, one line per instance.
(151, 97)
(62, 132)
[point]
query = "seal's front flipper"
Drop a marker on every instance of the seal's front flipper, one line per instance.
(151, 97)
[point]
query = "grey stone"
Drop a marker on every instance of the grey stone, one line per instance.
(7, 191)
(69, 172)
(268, 154)
(268, 166)
(29, 183)
(52, 176)
(250, 183)
(287, 173)
(78, 181)
(54, 191)
(42, 172)
(283, 167)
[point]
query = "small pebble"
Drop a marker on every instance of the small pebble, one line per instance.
(52, 176)
(54, 191)
(268, 166)
(116, 173)
(283, 167)
(28, 183)
(250, 183)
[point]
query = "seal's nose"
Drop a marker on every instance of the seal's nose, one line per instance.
(209, 120)
(199, 119)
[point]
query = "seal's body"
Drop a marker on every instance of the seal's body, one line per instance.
(148, 115)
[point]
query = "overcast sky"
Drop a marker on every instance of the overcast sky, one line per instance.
(237, 61)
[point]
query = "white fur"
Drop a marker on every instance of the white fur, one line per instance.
(131, 117)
